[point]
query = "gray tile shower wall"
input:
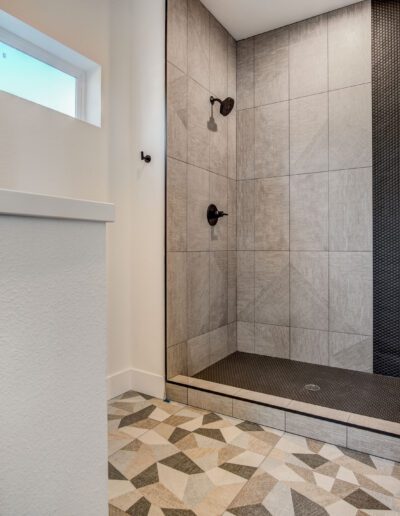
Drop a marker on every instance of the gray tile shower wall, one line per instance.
(289, 272)
(304, 194)
(201, 169)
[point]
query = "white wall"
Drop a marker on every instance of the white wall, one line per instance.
(43, 151)
(46, 152)
(137, 123)
(53, 422)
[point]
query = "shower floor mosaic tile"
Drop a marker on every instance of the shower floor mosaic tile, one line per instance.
(167, 459)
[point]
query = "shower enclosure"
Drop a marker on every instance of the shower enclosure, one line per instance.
(274, 302)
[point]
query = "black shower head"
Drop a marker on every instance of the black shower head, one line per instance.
(226, 105)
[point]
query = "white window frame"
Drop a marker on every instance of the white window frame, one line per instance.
(22, 37)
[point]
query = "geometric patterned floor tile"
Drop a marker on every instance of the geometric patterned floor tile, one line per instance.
(168, 459)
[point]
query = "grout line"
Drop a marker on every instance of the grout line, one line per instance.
(254, 197)
(327, 92)
(289, 207)
(269, 177)
(209, 196)
(304, 251)
(329, 214)
(187, 188)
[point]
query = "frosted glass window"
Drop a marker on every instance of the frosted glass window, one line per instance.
(27, 77)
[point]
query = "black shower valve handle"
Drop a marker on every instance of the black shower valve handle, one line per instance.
(214, 214)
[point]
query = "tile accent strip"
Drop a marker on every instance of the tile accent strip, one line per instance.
(386, 185)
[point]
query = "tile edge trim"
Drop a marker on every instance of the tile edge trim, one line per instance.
(292, 411)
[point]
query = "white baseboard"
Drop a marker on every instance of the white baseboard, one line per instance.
(119, 383)
(137, 380)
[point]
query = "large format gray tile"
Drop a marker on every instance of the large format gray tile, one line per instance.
(232, 68)
(309, 290)
(199, 43)
(272, 140)
(245, 337)
(232, 211)
(176, 205)
(219, 144)
(177, 360)
(198, 354)
(309, 134)
(309, 222)
(218, 289)
(374, 443)
(309, 346)
(198, 144)
(309, 57)
(198, 238)
(272, 288)
(351, 352)
(245, 144)
(232, 154)
(272, 341)
(211, 402)
(232, 286)
(272, 214)
(218, 59)
(218, 344)
(219, 197)
(350, 293)
(350, 210)
(245, 286)
(350, 46)
(177, 114)
(271, 67)
(350, 128)
(245, 74)
(198, 293)
(259, 414)
(313, 428)
(245, 214)
(176, 298)
(177, 33)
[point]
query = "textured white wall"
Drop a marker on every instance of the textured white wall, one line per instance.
(52, 368)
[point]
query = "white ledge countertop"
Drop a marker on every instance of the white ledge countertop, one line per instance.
(24, 204)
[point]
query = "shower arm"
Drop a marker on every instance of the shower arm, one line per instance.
(213, 100)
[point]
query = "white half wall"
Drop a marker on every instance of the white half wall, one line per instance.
(53, 423)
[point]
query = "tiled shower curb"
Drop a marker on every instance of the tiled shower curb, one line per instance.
(360, 433)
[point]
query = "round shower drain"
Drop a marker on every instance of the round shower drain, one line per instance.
(312, 387)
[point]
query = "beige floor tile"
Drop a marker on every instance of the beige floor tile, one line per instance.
(193, 460)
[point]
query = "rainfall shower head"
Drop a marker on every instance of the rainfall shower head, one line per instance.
(226, 105)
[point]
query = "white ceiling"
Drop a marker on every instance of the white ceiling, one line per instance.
(245, 18)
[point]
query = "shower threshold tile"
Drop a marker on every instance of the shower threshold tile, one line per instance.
(318, 411)
(204, 384)
(259, 397)
(375, 424)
